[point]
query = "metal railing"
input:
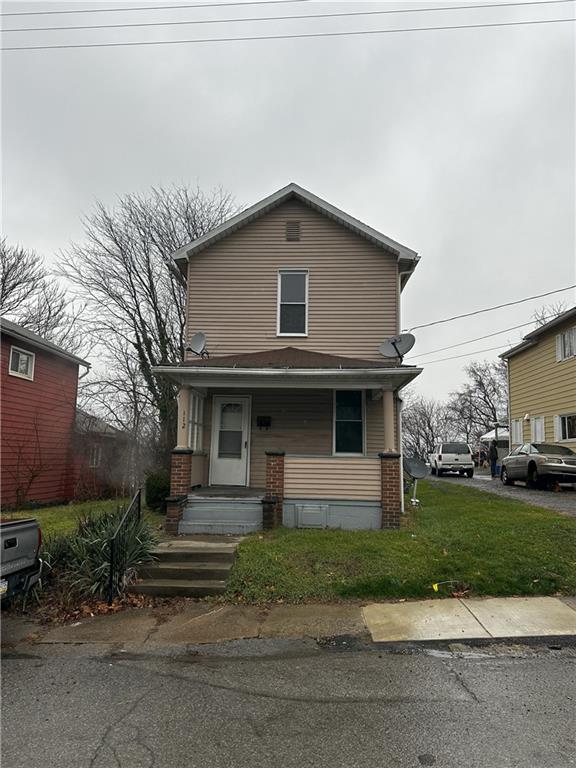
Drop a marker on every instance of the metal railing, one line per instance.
(118, 546)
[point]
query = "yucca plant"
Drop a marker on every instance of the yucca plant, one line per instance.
(88, 567)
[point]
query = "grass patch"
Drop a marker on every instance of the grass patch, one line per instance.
(491, 545)
(63, 520)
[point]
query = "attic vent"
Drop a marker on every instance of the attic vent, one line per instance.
(292, 231)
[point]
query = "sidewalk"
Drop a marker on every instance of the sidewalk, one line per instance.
(426, 620)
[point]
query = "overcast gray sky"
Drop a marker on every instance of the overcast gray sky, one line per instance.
(458, 143)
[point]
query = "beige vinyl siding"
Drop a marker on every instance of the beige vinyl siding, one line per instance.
(352, 290)
(541, 386)
(301, 424)
(310, 477)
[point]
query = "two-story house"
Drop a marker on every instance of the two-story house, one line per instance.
(38, 404)
(291, 414)
(542, 384)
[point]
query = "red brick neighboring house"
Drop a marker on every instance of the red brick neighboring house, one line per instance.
(38, 409)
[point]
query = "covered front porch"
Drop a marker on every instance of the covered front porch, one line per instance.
(307, 446)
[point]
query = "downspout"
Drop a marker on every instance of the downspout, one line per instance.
(399, 399)
(86, 372)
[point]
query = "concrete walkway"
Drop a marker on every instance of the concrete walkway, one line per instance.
(200, 623)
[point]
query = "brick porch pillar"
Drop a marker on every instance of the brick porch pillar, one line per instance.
(391, 499)
(180, 473)
(274, 501)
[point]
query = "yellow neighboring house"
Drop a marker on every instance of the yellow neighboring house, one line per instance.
(542, 382)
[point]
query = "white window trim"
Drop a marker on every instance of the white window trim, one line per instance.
(557, 437)
(533, 437)
(196, 422)
(16, 373)
(520, 424)
(95, 456)
(347, 389)
(279, 296)
(559, 357)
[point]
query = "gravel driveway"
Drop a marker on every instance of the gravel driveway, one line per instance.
(564, 501)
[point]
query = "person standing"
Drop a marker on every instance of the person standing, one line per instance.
(493, 457)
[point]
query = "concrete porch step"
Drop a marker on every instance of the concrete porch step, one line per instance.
(180, 587)
(185, 570)
(197, 552)
(219, 525)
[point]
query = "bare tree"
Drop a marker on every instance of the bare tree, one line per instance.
(32, 297)
(548, 312)
(482, 401)
(134, 291)
(425, 422)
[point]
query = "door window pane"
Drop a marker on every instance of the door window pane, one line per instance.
(230, 445)
(231, 416)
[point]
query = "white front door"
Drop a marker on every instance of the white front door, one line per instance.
(229, 455)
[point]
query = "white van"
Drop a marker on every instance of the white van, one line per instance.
(452, 457)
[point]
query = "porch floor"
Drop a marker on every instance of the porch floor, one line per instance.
(228, 492)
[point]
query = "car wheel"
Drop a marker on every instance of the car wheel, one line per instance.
(504, 477)
(470, 473)
(433, 470)
(534, 480)
(439, 472)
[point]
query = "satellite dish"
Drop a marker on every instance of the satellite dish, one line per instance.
(397, 346)
(197, 345)
(415, 468)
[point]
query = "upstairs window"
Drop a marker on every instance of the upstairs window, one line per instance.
(566, 344)
(293, 302)
(21, 363)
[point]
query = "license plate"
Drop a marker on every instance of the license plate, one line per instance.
(3, 586)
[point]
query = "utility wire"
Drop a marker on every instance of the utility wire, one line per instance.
(468, 354)
(491, 309)
(343, 14)
(283, 37)
(480, 338)
(149, 8)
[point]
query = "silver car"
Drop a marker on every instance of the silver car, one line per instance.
(539, 465)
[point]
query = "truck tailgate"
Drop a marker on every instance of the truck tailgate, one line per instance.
(18, 545)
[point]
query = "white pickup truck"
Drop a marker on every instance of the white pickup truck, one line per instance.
(451, 457)
(20, 563)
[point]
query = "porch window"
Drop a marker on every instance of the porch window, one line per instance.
(349, 421)
(21, 363)
(293, 302)
(196, 441)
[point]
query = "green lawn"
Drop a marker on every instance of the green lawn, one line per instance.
(56, 521)
(489, 545)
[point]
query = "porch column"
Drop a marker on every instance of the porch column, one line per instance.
(391, 493)
(388, 414)
(183, 431)
(274, 501)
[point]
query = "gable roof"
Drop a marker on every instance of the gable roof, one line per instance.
(27, 337)
(407, 256)
(532, 338)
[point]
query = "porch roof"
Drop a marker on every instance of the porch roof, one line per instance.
(289, 367)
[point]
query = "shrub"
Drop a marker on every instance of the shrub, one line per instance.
(157, 489)
(83, 566)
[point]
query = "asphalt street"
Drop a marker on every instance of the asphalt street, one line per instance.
(289, 703)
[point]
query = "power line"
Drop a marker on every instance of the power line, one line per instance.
(479, 338)
(343, 14)
(491, 309)
(468, 354)
(149, 8)
(283, 37)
